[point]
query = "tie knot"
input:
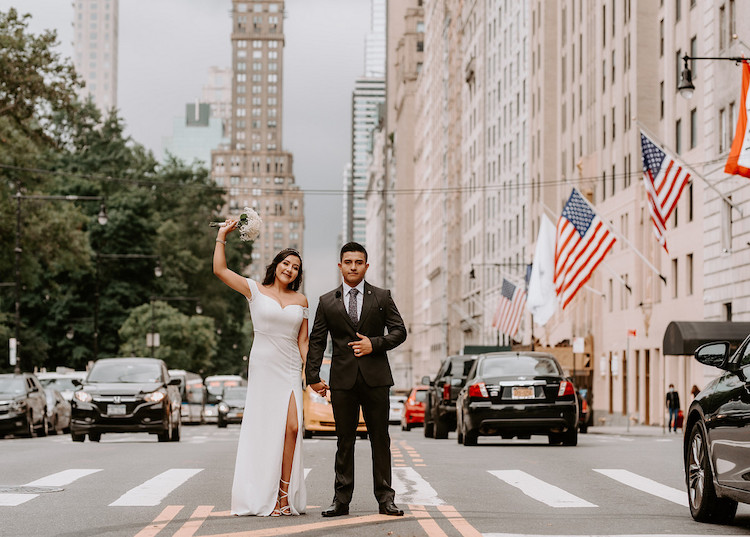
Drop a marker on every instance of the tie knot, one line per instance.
(354, 291)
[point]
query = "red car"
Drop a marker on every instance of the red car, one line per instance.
(413, 413)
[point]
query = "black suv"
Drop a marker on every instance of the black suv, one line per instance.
(23, 405)
(440, 406)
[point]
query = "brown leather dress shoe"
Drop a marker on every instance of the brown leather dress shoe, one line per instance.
(390, 508)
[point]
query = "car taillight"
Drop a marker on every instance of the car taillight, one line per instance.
(566, 388)
(446, 391)
(478, 390)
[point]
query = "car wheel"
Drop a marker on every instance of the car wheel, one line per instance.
(95, 437)
(570, 437)
(77, 437)
(554, 438)
(429, 427)
(221, 423)
(471, 438)
(44, 427)
(584, 428)
(705, 506)
(177, 431)
(459, 432)
(305, 433)
(165, 434)
(441, 430)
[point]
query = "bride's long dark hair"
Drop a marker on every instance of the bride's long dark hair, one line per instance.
(271, 269)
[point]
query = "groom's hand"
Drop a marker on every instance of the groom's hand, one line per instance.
(320, 388)
(361, 347)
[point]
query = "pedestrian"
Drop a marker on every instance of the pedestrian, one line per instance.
(673, 405)
(364, 324)
(269, 477)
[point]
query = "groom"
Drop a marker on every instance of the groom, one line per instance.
(357, 316)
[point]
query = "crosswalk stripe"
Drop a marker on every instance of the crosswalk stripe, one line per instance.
(411, 488)
(540, 490)
(307, 471)
(12, 500)
(65, 477)
(153, 491)
(647, 485)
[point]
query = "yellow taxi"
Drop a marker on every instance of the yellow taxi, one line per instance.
(317, 412)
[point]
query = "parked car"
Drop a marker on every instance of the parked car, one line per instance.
(193, 394)
(126, 395)
(232, 405)
(58, 411)
(23, 405)
(717, 429)
(413, 413)
(440, 406)
(215, 386)
(317, 412)
(396, 407)
(585, 412)
(63, 382)
(517, 394)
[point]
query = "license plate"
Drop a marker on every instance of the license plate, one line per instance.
(116, 410)
(522, 392)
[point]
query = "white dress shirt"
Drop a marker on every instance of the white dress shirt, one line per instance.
(360, 297)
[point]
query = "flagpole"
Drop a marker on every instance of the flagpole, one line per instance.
(624, 239)
(695, 173)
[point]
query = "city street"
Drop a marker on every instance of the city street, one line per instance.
(131, 485)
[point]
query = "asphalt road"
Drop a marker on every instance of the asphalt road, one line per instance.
(131, 485)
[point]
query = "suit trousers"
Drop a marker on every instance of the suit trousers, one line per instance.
(375, 405)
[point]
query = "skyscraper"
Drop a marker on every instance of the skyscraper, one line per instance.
(95, 49)
(255, 169)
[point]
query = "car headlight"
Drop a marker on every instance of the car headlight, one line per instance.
(223, 407)
(317, 398)
(18, 406)
(155, 397)
(84, 397)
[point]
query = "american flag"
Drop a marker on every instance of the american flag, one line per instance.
(581, 242)
(664, 178)
(509, 309)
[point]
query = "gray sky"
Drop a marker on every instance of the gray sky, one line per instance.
(165, 50)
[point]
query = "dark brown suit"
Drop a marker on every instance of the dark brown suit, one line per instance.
(358, 382)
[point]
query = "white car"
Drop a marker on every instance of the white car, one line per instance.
(62, 382)
(397, 407)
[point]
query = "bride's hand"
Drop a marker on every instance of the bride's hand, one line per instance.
(230, 224)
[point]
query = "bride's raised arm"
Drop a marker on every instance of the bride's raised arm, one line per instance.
(229, 277)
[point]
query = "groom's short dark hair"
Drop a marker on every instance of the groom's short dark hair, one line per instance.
(352, 247)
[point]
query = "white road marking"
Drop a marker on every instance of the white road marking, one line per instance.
(153, 491)
(411, 488)
(603, 535)
(60, 479)
(540, 490)
(307, 471)
(647, 485)
(11, 500)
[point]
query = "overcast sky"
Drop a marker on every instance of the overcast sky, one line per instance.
(165, 50)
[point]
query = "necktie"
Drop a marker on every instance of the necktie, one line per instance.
(353, 305)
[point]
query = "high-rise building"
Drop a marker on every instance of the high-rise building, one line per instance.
(195, 134)
(95, 43)
(255, 169)
(217, 92)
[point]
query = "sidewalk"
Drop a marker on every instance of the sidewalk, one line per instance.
(635, 430)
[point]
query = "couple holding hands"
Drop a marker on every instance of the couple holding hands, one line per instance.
(364, 324)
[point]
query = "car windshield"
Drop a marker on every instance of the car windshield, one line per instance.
(421, 396)
(11, 385)
(125, 372)
(518, 366)
(60, 384)
(215, 388)
(240, 392)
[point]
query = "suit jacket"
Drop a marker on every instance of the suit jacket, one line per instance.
(380, 321)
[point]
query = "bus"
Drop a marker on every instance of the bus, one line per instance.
(215, 385)
(193, 392)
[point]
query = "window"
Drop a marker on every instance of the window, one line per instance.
(723, 140)
(726, 226)
(613, 68)
(693, 128)
(678, 9)
(690, 202)
(694, 53)
(674, 278)
(689, 274)
(678, 136)
(661, 99)
(722, 27)
(677, 64)
(727, 311)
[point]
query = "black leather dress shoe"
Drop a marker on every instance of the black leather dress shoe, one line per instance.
(390, 508)
(337, 509)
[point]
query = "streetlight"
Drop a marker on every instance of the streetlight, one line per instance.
(686, 87)
(153, 341)
(157, 272)
(102, 219)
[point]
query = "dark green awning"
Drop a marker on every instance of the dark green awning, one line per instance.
(681, 338)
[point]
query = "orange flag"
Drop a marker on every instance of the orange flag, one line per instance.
(738, 162)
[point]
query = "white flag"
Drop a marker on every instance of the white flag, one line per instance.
(541, 299)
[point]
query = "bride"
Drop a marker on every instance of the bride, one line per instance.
(269, 477)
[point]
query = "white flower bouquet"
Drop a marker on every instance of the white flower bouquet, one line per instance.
(248, 226)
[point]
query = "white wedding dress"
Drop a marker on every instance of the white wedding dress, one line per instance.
(274, 375)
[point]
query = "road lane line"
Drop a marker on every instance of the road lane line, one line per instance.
(411, 488)
(11, 500)
(540, 490)
(313, 527)
(66, 477)
(459, 522)
(199, 516)
(429, 525)
(153, 491)
(161, 521)
(647, 485)
(603, 535)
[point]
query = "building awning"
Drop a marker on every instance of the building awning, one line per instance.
(681, 338)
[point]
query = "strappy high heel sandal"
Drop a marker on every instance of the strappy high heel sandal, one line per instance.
(287, 509)
(276, 510)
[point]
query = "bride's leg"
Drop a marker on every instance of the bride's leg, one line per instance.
(290, 443)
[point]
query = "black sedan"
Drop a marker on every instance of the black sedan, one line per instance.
(232, 406)
(123, 395)
(717, 441)
(517, 394)
(23, 405)
(440, 406)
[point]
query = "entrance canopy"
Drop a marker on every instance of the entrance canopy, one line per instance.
(683, 337)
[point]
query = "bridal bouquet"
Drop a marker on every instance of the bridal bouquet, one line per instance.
(248, 226)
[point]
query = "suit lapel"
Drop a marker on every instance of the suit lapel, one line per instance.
(367, 302)
(341, 307)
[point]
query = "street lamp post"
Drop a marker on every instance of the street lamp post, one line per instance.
(198, 310)
(18, 251)
(686, 87)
